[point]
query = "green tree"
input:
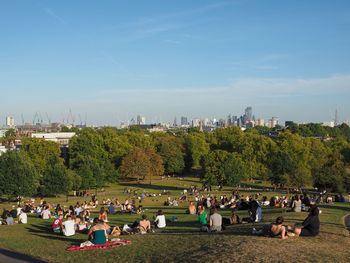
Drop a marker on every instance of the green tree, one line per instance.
(18, 175)
(171, 151)
(40, 152)
(56, 179)
(195, 147)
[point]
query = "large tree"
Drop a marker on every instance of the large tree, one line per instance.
(18, 175)
(140, 163)
(56, 179)
(40, 152)
(171, 151)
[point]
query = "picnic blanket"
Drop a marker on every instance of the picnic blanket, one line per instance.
(108, 244)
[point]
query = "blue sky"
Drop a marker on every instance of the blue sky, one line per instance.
(111, 60)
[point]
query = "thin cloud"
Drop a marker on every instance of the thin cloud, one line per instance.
(52, 14)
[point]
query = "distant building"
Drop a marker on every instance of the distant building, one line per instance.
(10, 122)
(184, 121)
(272, 122)
(250, 124)
(61, 137)
(328, 123)
(346, 122)
(196, 122)
(259, 122)
(249, 113)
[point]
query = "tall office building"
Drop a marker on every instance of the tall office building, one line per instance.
(184, 121)
(249, 113)
(10, 122)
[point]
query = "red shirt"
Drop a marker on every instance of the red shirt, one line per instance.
(56, 223)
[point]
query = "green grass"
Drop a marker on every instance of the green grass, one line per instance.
(182, 241)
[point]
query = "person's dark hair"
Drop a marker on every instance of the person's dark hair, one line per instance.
(144, 216)
(96, 220)
(279, 220)
(69, 216)
(160, 212)
(213, 210)
(102, 210)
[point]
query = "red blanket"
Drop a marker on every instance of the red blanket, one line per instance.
(108, 244)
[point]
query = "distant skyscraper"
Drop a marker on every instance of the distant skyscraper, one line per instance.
(336, 120)
(229, 120)
(138, 120)
(10, 121)
(273, 122)
(249, 113)
(259, 122)
(175, 122)
(184, 121)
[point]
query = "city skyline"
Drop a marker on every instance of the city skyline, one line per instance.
(112, 62)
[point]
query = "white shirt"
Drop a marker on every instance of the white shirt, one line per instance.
(23, 218)
(160, 219)
(18, 210)
(46, 214)
(68, 228)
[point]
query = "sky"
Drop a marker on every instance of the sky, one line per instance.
(108, 61)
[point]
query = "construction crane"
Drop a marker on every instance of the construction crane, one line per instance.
(35, 117)
(41, 118)
(81, 121)
(62, 118)
(48, 118)
(71, 115)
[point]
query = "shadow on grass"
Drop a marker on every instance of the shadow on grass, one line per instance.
(45, 232)
(14, 255)
(338, 206)
(153, 187)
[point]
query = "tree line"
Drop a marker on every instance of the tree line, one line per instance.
(223, 157)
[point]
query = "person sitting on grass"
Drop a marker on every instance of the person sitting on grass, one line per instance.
(46, 214)
(159, 221)
(103, 215)
(68, 227)
(144, 225)
(97, 233)
(111, 209)
(215, 221)
(22, 219)
(234, 219)
(202, 216)
(191, 209)
(311, 225)
(56, 226)
(273, 229)
(9, 219)
(82, 226)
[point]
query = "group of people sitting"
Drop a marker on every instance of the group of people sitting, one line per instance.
(309, 227)
(8, 217)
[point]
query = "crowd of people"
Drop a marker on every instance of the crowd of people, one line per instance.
(76, 219)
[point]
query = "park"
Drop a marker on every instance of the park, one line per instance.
(181, 241)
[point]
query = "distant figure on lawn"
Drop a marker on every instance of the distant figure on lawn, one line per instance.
(215, 220)
(144, 225)
(98, 234)
(103, 215)
(159, 221)
(68, 227)
(273, 229)
(22, 219)
(311, 225)
(56, 226)
(46, 214)
(192, 209)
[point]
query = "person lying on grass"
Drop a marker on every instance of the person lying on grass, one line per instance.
(273, 229)
(311, 225)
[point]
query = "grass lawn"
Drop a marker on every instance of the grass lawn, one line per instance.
(182, 241)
